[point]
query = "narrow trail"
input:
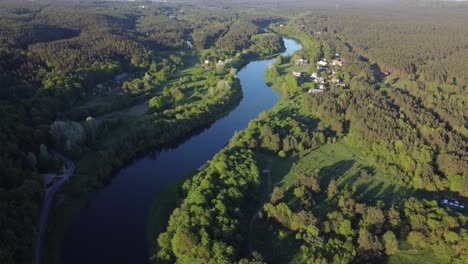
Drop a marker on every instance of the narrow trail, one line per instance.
(254, 217)
(50, 192)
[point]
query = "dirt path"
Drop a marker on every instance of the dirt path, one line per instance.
(254, 217)
(50, 192)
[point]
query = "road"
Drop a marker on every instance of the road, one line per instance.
(50, 192)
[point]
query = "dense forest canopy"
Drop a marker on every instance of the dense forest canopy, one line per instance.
(58, 62)
(404, 110)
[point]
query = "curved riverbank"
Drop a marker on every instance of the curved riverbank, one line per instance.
(113, 227)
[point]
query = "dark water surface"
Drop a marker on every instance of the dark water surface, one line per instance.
(112, 229)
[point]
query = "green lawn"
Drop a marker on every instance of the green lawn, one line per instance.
(418, 257)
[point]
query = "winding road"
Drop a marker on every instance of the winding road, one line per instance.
(50, 192)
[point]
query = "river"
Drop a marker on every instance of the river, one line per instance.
(112, 228)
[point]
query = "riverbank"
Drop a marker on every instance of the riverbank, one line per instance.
(79, 194)
(160, 211)
(122, 145)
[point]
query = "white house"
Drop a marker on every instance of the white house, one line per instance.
(337, 63)
(297, 73)
(315, 75)
(319, 80)
(314, 91)
(322, 63)
(301, 62)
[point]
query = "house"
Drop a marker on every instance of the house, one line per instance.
(321, 86)
(452, 203)
(207, 61)
(281, 25)
(319, 80)
(321, 68)
(314, 91)
(301, 62)
(99, 89)
(318, 32)
(337, 55)
(342, 85)
(121, 77)
(385, 73)
(335, 80)
(322, 63)
(337, 63)
(220, 62)
(315, 75)
(297, 73)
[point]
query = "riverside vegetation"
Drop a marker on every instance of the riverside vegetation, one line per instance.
(58, 66)
(346, 175)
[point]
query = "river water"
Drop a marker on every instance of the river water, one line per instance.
(112, 229)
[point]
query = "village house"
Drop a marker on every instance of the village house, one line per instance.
(121, 77)
(322, 63)
(319, 80)
(297, 73)
(337, 63)
(342, 85)
(321, 86)
(452, 203)
(335, 80)
(321, 68)
(315, 75)
(207, 61)
(337, 55)
(314, 91)
(99, 89)
(301, 62)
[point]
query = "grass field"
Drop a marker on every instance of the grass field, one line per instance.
(418, 257)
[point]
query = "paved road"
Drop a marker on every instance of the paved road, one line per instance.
(50, 192)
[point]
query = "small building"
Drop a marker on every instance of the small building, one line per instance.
(314, 91)
(385, 73)
(297, 73)
(322, 63)
(315, 75)
(319, 80)
(452, 203)
(335, 80)
(281, 25)
(321, 86)
(121, 77)
(337, 55)
(337, 63)
(220, 62)
(301, 62)
(321, 68)
(342, 85)
(207, 61)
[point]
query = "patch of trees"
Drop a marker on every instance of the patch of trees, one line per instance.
(351, 230)
(238, 37)
(196, 233)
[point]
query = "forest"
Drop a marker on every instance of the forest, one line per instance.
(348, 175)
(59, 91)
